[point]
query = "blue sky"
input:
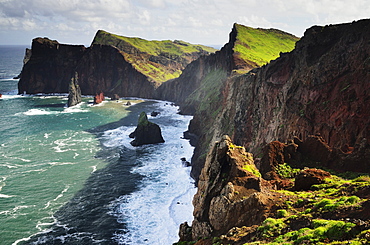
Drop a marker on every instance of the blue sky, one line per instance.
(196, 21)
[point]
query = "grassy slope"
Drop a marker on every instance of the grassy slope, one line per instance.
(259, 46)
(137, 51)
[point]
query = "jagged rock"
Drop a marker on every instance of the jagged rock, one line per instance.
(230, 191)
(155, 113)
(146, 132)
(115, 97)
(185, 232)
(128, 103)
(308, 177)
(98, 98)
(74, 95)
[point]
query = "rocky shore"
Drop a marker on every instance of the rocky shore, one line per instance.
(294, 167)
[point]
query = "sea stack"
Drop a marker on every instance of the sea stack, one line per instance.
(146, 132)
(74, 96)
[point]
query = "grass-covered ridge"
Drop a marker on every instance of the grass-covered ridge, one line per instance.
(158, 60)
(259, 46)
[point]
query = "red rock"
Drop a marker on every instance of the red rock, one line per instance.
(99, 98)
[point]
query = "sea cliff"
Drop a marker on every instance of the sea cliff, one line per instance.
(289, 119)
(296, 121)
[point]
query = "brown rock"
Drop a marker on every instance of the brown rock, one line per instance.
(308, 177)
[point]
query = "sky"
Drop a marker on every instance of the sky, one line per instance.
(195, 21)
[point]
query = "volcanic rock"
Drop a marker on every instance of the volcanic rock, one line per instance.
(98, 98)
(74, 95)
(146, 132)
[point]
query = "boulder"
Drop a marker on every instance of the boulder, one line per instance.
(115, 97)
(155, 113)
(146, 132)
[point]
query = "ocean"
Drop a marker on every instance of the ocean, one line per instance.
(70, 175)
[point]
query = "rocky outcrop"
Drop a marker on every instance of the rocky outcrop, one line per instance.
(98, 98)
(50, 67)
(146, 132)
(230, 192)
(319, 87)
(74, 91)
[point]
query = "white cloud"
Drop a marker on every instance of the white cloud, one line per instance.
(198, 21)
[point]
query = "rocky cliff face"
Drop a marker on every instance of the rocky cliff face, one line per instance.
(112, 65)
(202, 77)
(320, 87)
(50, 67)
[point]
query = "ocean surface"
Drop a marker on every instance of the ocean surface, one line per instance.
(70, 175)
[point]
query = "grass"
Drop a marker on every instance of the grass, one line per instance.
(259, 46)
(140, 52)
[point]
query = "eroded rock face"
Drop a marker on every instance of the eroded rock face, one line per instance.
(230, 192)
(50, 67)
(146, 132)
(320, 87)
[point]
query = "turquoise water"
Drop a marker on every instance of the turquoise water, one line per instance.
(45, 157)
(70, 175)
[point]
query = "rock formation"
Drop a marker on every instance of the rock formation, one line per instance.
(112, 65)
(98, 98)
(230, 192)
(319, 87)
(50, 67)
(74, 91)
(146, 132)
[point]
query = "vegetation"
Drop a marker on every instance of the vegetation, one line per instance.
(314, 216)
(159, 60)
(259, 46)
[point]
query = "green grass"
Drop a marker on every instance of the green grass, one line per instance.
(140, 52)
(260, 46)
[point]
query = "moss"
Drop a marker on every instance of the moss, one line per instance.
(271, 227)
(286, 171)
(252, 169)
(281, 213)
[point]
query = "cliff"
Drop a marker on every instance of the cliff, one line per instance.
(112, 65)
(50, 67)
(247, 48)
(158, 60)
(319, 87)
(304, 111)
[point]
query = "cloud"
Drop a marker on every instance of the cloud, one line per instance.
(198, 21)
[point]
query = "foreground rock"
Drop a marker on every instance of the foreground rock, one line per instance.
(235, 205)
(146, 132)
(230, 192)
